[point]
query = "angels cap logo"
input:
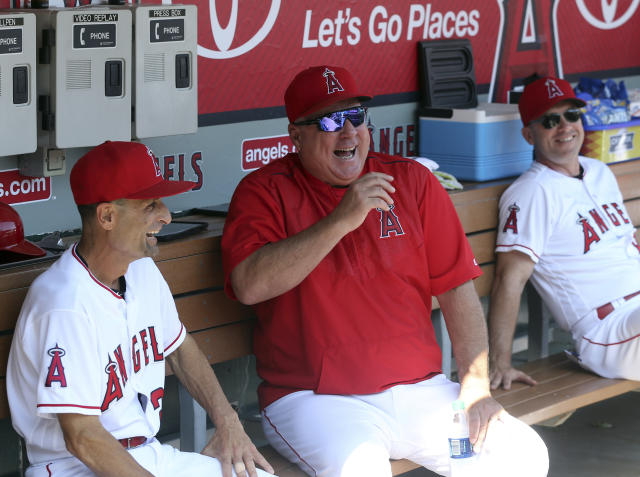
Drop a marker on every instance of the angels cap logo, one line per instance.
(223, 36)
(333, 84)
(609, 11)
(553, 89)
(155, 163)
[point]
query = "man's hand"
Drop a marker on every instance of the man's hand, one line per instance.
(505, 375)
(480, 414)
(370, 191)
(465, 323)
(233, 448)
(229, 444)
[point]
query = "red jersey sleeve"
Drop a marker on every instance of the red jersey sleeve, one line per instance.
(252, 222)
(450, 258)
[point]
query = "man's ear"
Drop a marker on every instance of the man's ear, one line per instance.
(294, 134)
(106, 215)
(527, 134)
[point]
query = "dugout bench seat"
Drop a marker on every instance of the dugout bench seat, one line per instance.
(193, 268)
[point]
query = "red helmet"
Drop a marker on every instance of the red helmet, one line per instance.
(12, 234)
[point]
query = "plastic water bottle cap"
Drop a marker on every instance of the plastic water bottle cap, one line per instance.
(458, 405)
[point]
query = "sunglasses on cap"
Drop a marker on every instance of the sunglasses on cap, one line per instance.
(332, 122)
(550, 121)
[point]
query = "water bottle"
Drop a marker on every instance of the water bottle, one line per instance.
(461, 457)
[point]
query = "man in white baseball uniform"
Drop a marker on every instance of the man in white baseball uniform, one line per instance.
(85, 376)
(564, 225)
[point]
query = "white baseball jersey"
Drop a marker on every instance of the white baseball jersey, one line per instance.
(577, 232)
(81, 348)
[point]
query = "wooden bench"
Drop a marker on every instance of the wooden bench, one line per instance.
(222, 328)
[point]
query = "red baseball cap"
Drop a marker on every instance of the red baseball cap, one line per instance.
(121, 170)
(543, 94)
(318, 87)
(12, 234)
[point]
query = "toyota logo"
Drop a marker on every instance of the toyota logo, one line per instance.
(223, 36)
(609, 9)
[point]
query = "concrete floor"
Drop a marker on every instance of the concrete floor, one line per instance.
(599, 440)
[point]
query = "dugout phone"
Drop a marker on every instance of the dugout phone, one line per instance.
(18, 125)
(84, 76)
(165, 56)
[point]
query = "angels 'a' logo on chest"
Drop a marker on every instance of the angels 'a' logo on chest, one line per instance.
(389, 223)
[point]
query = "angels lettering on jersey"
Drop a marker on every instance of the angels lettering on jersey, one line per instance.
(592, 224)
(144, 350)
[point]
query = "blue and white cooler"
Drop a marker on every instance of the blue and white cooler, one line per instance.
(478, 144)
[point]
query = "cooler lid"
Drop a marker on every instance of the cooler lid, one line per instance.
(483, 113)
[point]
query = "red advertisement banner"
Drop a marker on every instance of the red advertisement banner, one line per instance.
(598, 35)
(249, 50)
(18, 189)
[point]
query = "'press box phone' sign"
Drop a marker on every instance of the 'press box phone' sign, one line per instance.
(166, 25)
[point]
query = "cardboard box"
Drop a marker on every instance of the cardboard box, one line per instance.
(612, 142)
(634, 102)
(478, 144)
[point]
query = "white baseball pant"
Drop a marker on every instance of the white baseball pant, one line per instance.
(352, 436)
(611, 347)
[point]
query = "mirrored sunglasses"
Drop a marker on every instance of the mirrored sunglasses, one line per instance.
(334, 121)
(550, 121)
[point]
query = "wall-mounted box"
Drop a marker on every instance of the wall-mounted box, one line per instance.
(84, 76)
(165, 55)
(18, 123)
